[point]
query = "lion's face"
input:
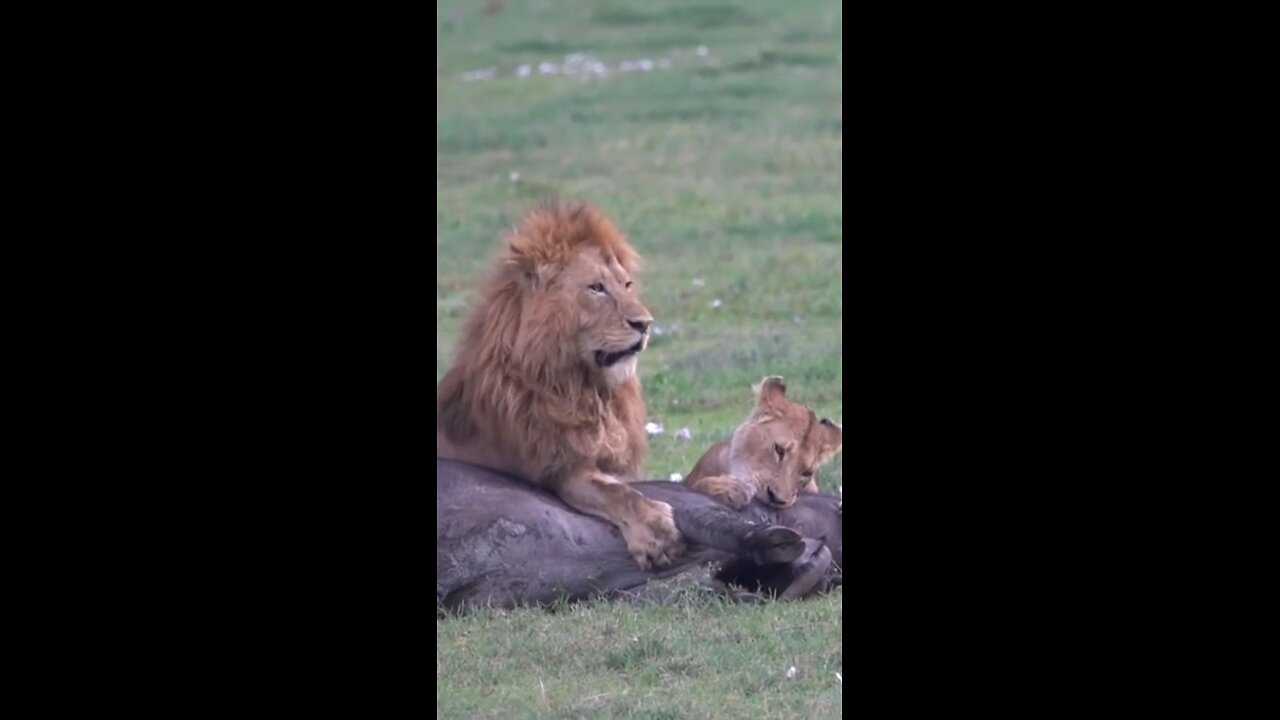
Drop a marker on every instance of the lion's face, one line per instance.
(567, 287)
(612, 324)
(781, 445)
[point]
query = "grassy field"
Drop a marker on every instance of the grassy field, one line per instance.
(713, 135)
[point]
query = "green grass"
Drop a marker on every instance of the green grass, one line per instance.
(725, 170)
(694, 659)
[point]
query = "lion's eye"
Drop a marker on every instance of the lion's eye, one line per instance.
(596, 287)
(807, 474)
(781, 451)
(629, 284)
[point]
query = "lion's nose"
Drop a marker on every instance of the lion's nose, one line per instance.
(773, 497)
(640, 325)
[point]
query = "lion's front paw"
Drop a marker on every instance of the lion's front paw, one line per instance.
(652, 538)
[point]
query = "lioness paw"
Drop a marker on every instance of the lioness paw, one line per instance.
(735, 496)
(726, 490)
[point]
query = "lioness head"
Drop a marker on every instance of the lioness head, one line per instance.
(781, 445)
(580, 300)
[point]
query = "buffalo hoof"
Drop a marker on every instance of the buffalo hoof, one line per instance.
(773, 545)
(810, 571)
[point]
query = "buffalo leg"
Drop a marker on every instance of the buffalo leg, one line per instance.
(717, 527)
(799, 578)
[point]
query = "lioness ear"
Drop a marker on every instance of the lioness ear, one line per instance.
(770, 389)
(832, 440)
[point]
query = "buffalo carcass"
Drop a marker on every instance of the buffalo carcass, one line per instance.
(501, 543)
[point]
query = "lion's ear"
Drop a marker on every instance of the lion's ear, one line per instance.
(525, 264)
(524, 251)
(537, 277)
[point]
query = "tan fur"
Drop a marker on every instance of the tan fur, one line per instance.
(527, 393)
(773, 455)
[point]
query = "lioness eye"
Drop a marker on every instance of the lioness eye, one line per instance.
(780, 450)
(629, 284)
(596, 287)
(807, 473)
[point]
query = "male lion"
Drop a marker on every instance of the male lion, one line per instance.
(544, 383)
(773, 455)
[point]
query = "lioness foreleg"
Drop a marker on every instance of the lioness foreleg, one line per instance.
(725, 489)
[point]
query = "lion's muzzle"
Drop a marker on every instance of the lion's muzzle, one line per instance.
(604, 359)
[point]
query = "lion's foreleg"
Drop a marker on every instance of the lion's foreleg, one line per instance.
(648, 526)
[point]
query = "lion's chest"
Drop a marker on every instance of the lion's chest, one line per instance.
(617, 451)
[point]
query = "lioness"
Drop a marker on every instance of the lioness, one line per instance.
(773, 455)
(544, 383)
